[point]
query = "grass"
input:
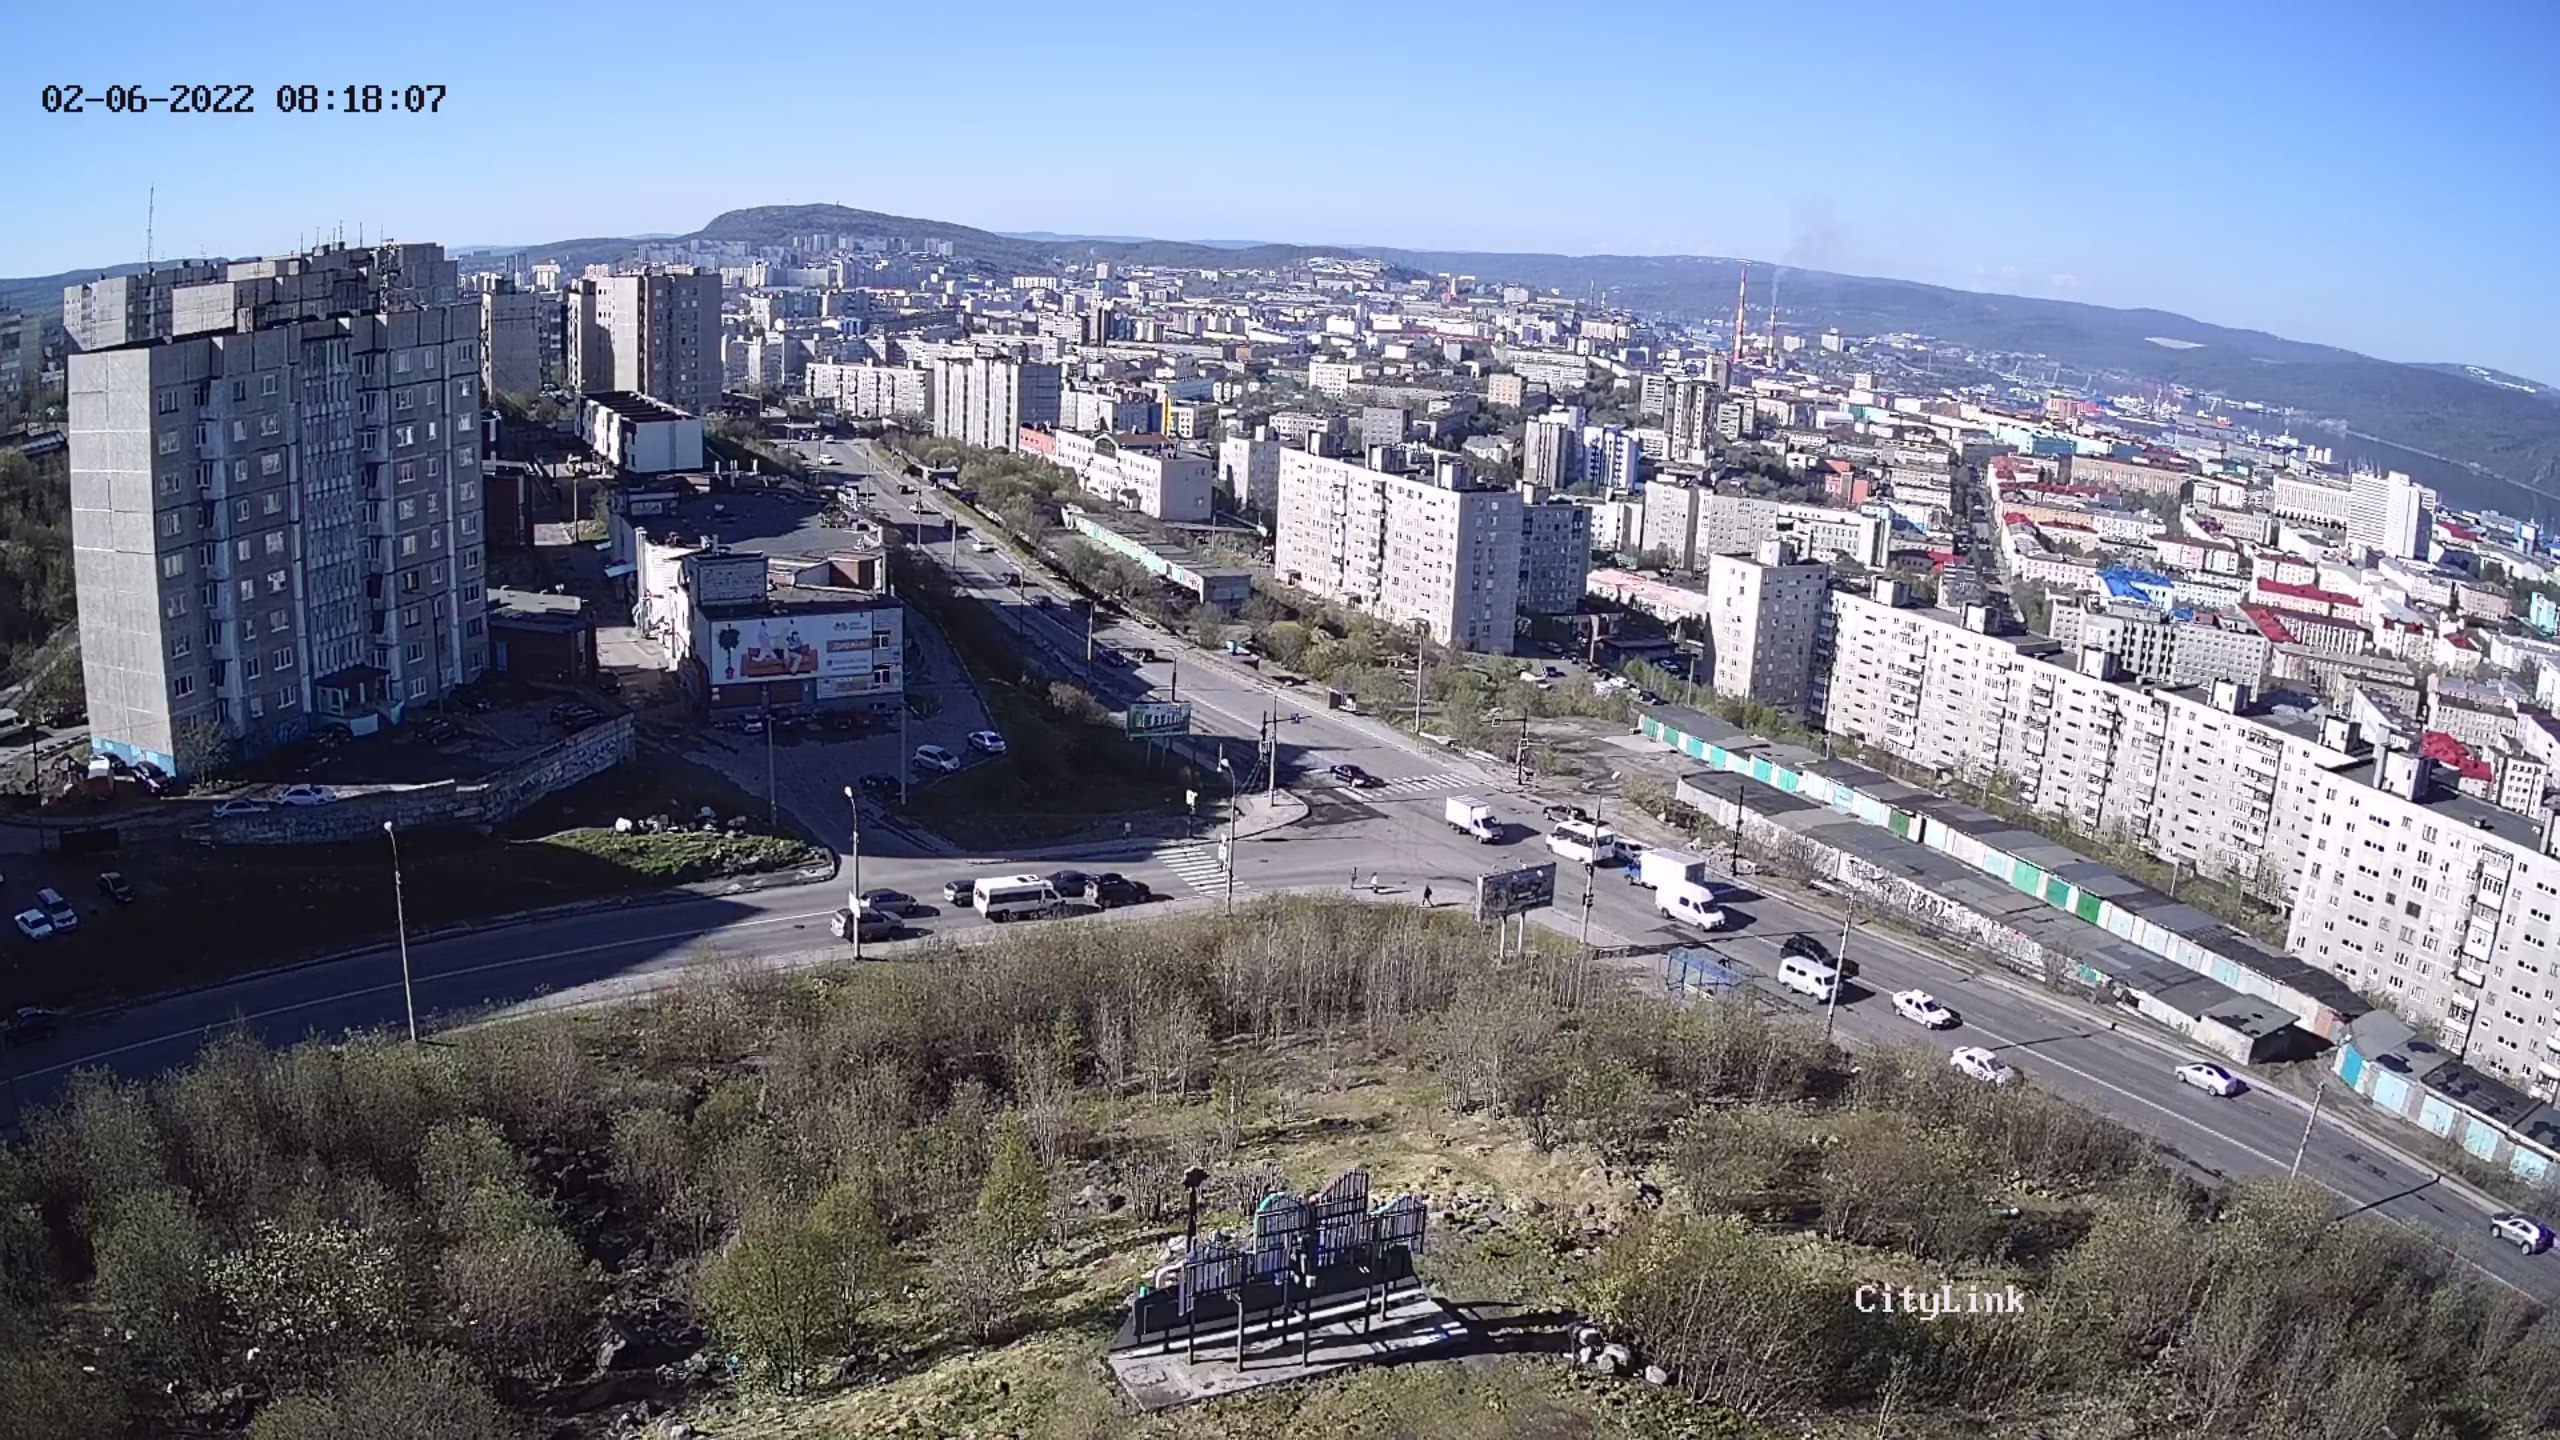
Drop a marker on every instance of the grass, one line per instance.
(203, 913)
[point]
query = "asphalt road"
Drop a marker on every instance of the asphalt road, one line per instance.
(1385, 843)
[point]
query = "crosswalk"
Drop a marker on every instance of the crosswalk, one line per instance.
(1197, 865)
(1437, 782)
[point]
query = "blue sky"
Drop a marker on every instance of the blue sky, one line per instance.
(2375, 175)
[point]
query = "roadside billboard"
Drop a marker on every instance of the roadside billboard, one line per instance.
(1159, 717)
(1508, 892)
(761, 649)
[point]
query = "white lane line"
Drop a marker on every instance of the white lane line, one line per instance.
(313, 1003)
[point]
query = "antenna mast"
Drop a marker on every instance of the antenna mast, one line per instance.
(1771, 358)
(150, 223)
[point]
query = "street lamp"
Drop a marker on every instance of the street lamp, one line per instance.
(854, 870)
(400, 917)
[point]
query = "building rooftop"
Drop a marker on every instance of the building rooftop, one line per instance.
(632, 405)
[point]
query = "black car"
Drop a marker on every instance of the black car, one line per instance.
(1116, 889)
(30, 1024)
(884, 787)
(1073, 885)
(959, 892)
(113, 885)
(893, 902)
(1808, 948)
(1354, 776)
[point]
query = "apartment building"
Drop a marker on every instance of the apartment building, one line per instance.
(1765, 614)
(1138, 474)
(985, 400)
(275, 497)
(2169, 652)
(1555, 554)
(1432, 548)
(2311, 501)
(1249, 469)
(21, 356)
(1332, 377)
(2441, 906)
(2390, 514)
(1690, 521)
(2190, 775)
(869, 392)
(655, 332)
(520, 339)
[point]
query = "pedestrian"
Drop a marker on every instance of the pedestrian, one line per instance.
(1377, 882)
(1426, 897)
(1355, 880)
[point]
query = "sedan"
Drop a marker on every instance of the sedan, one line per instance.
(30, 1024)
(1116, 889)
(57, 909)
(1562, 813)
(229, 808)
(1981, 1064)
(34, 925)
(1355, 777)
(892, 902)
(934, 757)
(2522, 1231)
(982, 547)
(1072, 885)
(307, 795)
(2211, 1079)
(113, 885)
(959, 892)
(885, 787)
(1922, 1008)
(986, 742)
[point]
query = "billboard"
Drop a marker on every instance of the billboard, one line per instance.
(1159, 717)
(1508, 892)
(759, 649)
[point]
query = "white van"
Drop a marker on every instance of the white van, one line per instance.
(1583, 843)
(1690, 904)
(1808, 977)
(1013, 897)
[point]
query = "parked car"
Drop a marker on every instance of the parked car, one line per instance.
(751, 724)
(113, 885)
(1922, 1008)
(228, 808)
(1073, 886)
(307, 795)
(883, 787)
(34, 925)
(2211, 1079)
(1981, 1064)
(934, 757)
(893, 902)
(57, 909)
(2522, 1231)
(959, 892)
(1355, 777)
(1561, 814)
(30, 1024)
(1648, 697)
(982, 547)
(1806, 946)
(986, 741)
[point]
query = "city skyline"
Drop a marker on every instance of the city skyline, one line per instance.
(2355, 183)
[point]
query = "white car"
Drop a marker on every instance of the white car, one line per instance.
(934, 757)
(57, 909)
(986, 741)
(1981, 1064)
(2211, 1079)
(2522, 1231)
(1922, 1008)
(34, 925)
(983, 547)
(307, 795)
(229, 808)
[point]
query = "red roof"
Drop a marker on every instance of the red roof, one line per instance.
(2442, 748)
(2307, 592)
(2269, 624)
(2458, 532)
(2014, 517)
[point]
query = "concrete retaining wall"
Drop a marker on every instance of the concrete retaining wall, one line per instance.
(493, 801)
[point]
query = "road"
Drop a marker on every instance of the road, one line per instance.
(1385, 843)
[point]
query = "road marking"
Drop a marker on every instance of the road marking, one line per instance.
(1197, 866)
(211, 1025)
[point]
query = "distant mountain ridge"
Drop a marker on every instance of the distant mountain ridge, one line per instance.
(2496, 437)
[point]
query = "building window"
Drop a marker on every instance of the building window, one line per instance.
(249, 668)
(408, 547)
(408, 509)
(168, 442)
(271, 503)
(473, 626)
(267, 384)
(181, 647)
(416, 652)
(271, 463)
(185, 687)
(248, 589)
(284, 659)
(275, 582)
(275, 542)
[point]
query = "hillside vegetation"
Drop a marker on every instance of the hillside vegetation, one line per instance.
(911, 1198)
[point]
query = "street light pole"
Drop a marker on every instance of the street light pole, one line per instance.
(772, 795)
(2319, 1092)
(1839, 972)
(853, 804)
(1520, 762)
(1230, 772)
(400, 918)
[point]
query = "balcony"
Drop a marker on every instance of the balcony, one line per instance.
(2470, 977)
(2547, 1069)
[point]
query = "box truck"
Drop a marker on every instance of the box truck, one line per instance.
(1471, 816)
(1656, 868)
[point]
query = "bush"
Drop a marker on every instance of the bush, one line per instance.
(411, 1395)
(311, 1298)
(521, 1299)
(151, 1281)
(788, 1291)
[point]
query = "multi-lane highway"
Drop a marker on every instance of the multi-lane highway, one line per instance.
(1386, 843)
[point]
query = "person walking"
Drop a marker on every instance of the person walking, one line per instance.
(1426, 897)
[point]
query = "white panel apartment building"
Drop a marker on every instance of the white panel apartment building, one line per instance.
(1692, 522)
(2442, 907)
(1430, 548)
(2178, 772)
(1765, 614)
(655, 333)
(985, 401)
(869, 392)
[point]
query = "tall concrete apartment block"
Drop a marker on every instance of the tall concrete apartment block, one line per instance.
(1765, 617)
(1555, 554)
(275, 497)
(521, 338)
(656, 331)
(1433, 548)
(21, 356)
(985, 400)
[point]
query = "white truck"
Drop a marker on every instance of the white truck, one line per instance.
(1470, 816)
(1690, 904)
(1655, 869)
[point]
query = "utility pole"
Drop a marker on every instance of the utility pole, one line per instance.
(1734, 867)
(853, 805)
(1271, 756)
(1520, 762)
(1421, 659)
(2319, 1092)
(1230, 772)
(1088, 632)
(400, 917)
(772, 796)
(1839, 971)
(907, 767)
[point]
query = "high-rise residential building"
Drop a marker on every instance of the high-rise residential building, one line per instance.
(1765, 614)
(869, 392)
(1689, 520)
(1611, 458)
(520, 338)
(655, 332)
(985, 400)
(1249, 469)
(1689, 418)
(1433, 548)
(1555, 554)
(1548, 447)
(275, 497)
(2192, 776)
(2390, 514)
(21, 356)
